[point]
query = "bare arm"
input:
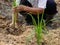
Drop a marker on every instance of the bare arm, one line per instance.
(30, 9)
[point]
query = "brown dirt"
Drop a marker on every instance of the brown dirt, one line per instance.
(8, 36)
(18, 36)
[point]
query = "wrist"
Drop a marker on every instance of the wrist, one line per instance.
(23, 8)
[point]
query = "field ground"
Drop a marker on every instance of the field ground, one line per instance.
(8, 36)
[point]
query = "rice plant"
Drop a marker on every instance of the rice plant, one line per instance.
(14, 14)
(14, 3)
(38, 27)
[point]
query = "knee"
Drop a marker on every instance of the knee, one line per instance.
(51, 7)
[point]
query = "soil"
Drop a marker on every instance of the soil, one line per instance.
(19, 36)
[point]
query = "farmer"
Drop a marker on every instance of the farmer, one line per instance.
(48, 6)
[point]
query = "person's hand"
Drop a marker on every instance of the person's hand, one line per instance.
(14, 9)
(18, 8)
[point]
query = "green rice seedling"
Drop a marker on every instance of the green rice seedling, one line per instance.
(14, 3)
(14, 15)
(33, 20)
(38, 27)
(38, 30)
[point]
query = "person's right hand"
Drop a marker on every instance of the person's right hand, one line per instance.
(18, 8)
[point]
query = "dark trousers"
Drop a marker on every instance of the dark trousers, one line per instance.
(49, 12)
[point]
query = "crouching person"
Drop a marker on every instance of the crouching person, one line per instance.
(48, 6)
